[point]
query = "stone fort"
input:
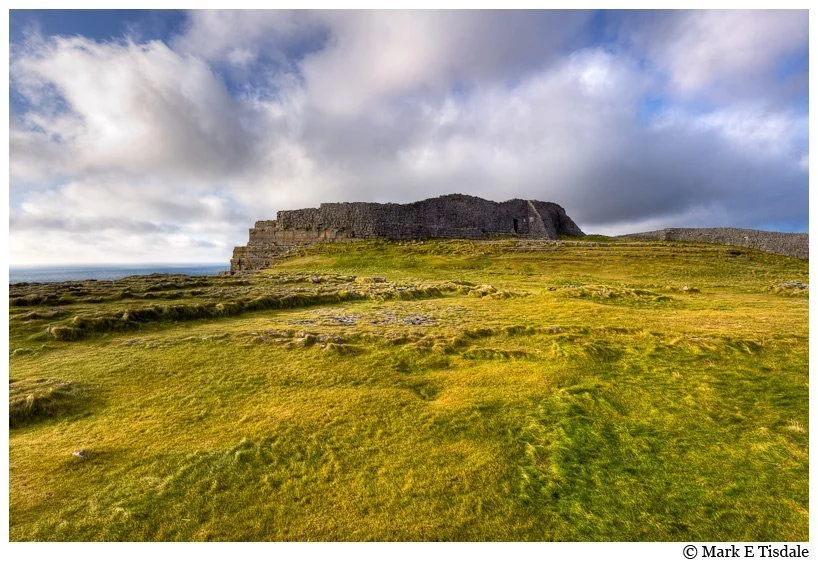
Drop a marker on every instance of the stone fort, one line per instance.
(451, 216)
(790, 244)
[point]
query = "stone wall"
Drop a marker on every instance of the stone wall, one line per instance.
(791, 244)
(453, 216)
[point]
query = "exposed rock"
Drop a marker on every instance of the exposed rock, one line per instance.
(451, 216)
(794, 284)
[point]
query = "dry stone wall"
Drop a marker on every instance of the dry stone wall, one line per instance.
(791, 244)
(452, 216)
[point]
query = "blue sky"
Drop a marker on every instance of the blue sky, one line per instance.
(145, 135)
(98, 25)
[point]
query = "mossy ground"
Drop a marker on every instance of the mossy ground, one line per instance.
(501, 390)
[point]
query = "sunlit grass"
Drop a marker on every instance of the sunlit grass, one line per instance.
(503, 390)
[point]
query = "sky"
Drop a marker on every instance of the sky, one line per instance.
(162, 136)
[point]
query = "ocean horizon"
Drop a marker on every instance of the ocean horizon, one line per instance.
(111, 271)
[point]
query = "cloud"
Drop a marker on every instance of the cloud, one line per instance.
(125, 196)
(571, 135)
(757, 132)
(725, 54)
(240, 37)
(173, 149)
(83, 220)
(39, 224)
(349, 59)
(382, 54)
(28, 248)
(127, 107)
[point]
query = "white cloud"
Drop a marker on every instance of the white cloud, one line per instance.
(242, 36)
(722, 53)
(762, 134)
(174, 150)
(128, 107)
(351, 59)
(82, 219)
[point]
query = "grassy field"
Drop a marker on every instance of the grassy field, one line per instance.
(446, 390)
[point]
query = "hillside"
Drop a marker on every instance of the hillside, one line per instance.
(585, 389)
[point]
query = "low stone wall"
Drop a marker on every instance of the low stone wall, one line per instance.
(790, 244)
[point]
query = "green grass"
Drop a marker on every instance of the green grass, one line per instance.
(584, 390)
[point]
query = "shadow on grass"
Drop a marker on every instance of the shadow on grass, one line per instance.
(35, 400)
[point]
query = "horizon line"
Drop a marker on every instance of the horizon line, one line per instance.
(149, 264)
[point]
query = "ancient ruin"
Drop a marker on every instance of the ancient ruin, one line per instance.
(791, 244)
(451, 216)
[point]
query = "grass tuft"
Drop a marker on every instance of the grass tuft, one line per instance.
(34, 399)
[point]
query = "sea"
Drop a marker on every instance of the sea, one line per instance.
(59, 273)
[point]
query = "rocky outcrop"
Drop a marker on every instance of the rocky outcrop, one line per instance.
(452, 216)
(791, 244)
